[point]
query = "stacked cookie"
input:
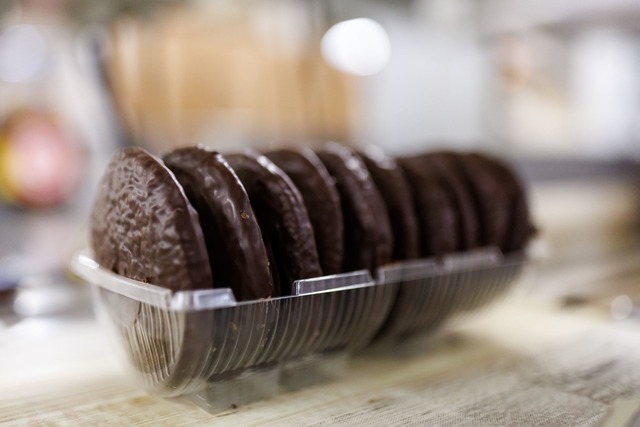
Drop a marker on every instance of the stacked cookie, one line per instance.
(196, 219)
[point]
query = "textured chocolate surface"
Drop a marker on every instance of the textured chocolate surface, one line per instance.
(321, 199)
(237, 255)
(143, 227)
(443, 164)
(368, 236)
(437, 216)
(397, 195)
(283, 218)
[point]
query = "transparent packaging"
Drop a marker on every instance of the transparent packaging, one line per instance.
(187, 342)
(221, 353)
(430, 291)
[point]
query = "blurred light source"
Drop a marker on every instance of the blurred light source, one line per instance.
(604, 69)
(621, 307)
(358, 46)
(23, 53)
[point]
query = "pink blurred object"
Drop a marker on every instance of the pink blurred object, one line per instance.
(42, 165)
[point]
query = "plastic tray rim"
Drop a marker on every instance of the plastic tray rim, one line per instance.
(84, 266)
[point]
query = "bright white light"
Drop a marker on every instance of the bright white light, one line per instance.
(23, 53)
(358, 46)
(621, 307)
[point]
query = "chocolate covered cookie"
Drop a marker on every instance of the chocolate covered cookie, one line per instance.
(283, 219)
(491, 196)
(519, 228)
(237, 254)
(367, 231)
(321, 199)
(445, 167)
(397, 195)
(144, 228)
(437, 215)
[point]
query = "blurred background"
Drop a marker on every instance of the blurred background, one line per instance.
(552, 85)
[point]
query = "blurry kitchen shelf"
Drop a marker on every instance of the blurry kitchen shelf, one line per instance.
(540, 169)
(584, 218)
(508, 16)
(588, 216)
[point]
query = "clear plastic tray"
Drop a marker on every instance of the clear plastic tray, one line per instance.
(430, 292)
(187, 342)
(220, 352)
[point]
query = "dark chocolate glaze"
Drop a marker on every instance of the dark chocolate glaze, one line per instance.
(492, 198)
(367, 231)
(520, 228)
(143, 227)
(321, 199)
(443, 164)
(237, 255)
(283, 219)
(396, 193)
(437, 216)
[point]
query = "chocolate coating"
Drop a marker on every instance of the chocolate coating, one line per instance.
(284, 222)
(143, 227)
(397, 195)
(237, 255)
(444, 165)
(437, 216)
(491, 196)
(520, 228)
(368, 237)
(321, 199)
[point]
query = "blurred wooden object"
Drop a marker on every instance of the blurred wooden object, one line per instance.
(185, 77)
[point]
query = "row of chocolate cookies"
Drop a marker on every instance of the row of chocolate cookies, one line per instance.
(195, 219)
(436, 203)
(255, 223)
(187, 221)
(465, 201)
